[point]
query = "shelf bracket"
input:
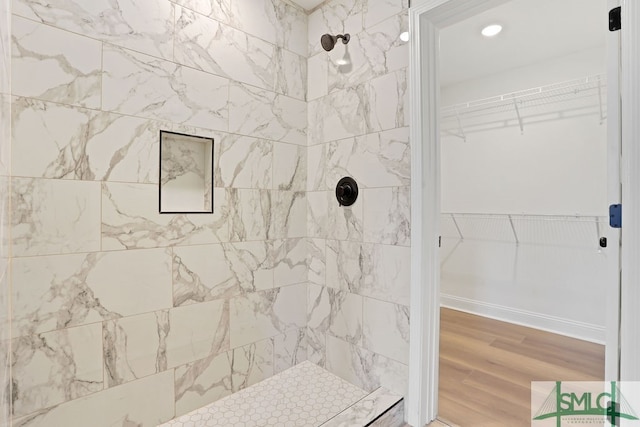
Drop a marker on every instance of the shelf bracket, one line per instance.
(457, 227)
(515, 104)
(513, 228)
(464, 136)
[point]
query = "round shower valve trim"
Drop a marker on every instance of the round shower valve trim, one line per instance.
(347, 191)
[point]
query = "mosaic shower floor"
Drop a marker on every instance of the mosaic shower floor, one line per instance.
(305, 395)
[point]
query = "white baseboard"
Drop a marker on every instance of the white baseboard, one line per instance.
(557, 325)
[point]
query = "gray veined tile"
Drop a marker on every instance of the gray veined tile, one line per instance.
(289, 349)
(60, 141)
(216, 48)
(220, 10)
(55, 367)
(145, 86)
(135, 347)
(277, 22)
(376, 11)
(316, 261)
(53, 216)
(130, 219)
(339, 115)
(289, 216)
(290, 261)
(246, 162)
(55, 65)
(142, 25)
(189, 339)
(148, 401)
(265, 314)
(208, 272)
(291, 74)
(251, 215)
(318, 322)
(265, 114)
(317, 213)
(289, 167)
(388, 215)
(345, 319)
(60, 291)
(316, 167)
(386, 329)
(388, 102)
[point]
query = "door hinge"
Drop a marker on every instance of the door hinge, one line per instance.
(615, 19)
(615, 216)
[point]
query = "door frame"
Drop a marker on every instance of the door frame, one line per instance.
(425, 19)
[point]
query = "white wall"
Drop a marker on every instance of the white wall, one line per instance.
(554, 167)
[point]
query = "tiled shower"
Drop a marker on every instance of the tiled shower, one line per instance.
(117, 313)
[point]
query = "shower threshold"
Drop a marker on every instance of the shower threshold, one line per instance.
(305, 395)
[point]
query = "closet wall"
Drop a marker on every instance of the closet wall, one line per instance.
(523, 209)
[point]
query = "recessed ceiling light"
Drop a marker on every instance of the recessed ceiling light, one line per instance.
(404, 36)
(491, 30)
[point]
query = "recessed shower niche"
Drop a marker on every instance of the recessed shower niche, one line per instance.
(186, 173)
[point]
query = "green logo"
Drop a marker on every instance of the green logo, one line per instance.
(610, 404)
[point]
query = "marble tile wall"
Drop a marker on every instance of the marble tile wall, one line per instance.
(358, 293)
(5, 189)
(121, 314)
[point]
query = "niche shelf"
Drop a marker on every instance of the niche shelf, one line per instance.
(573, 98)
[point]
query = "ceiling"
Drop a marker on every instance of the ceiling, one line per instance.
(533, 31)
(307, 4)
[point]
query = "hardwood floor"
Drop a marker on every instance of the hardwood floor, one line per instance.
(486, 368)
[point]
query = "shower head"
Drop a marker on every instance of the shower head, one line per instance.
(328, 41)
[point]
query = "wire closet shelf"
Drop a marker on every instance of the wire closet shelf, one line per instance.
(579, 97)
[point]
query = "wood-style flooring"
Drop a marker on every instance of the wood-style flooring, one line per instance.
(486, 368)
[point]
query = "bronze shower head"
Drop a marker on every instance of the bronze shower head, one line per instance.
(328, 41)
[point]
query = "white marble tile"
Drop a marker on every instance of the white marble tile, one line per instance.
(367, 410)
(54, 216)
(142, 25)
(5, 48)
(388, 215)
(55, 65)
(316, 261)
(317, 76)
(317, 167)
(220, 10)
(289, 210)
(197, 331)
(345, 222)
(55, 367)
(364, 368)
(5, 217)
(388, 102)
(289, 349)
(386, 273)
(305, 395)
(145, 402)
(289, 167)
(207, 272)
(134, 347)
(345, 319)
(291, 74)
(318, 322)
(376, 11)
(277, 22)
(251, 216)
(245, 162)
(58, 141)
(386, 329)
(335, 17)
(144, 86)
(290, 262)
(265, 114)
(251, 364)
(130, 219)
(317, 213)
(202, 382)
(265, 314)
(345, 265)
(211, 46)
(55, 292)
(339, 115)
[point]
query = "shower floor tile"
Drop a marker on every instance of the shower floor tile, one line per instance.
(305, 395)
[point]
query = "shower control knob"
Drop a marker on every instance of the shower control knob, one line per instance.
(347, 191)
